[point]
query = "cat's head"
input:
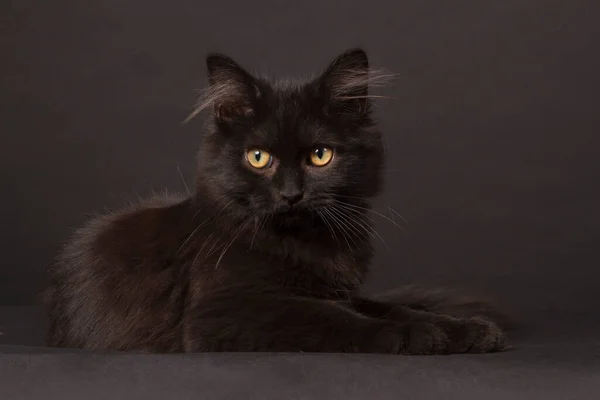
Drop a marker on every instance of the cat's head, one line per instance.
(286, 149)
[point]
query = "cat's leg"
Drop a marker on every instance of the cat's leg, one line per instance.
(446, 302)
(471, 333)
(273, 322)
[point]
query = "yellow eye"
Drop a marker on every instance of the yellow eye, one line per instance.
(259, 158)
(321, 156)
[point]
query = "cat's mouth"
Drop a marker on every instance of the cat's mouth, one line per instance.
(287, 209)
(292, 213)
(287, 212)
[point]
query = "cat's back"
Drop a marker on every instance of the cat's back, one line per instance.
(116, 284)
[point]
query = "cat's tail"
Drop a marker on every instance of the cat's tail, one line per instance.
(448, 302)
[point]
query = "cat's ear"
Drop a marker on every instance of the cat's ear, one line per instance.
(345, 84)
(232, 92)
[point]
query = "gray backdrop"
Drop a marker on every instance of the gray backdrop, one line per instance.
(493, 134)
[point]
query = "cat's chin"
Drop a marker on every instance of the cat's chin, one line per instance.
(293, 218)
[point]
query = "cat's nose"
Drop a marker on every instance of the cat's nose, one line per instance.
(291, 196)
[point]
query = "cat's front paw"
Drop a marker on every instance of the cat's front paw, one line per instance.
(446, 335)
(385, 337)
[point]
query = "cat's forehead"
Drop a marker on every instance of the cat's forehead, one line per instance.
(291, 120)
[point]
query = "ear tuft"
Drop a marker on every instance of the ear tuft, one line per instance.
(232, 92)
(346, 83)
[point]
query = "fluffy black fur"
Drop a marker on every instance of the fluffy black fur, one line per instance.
(264, 259)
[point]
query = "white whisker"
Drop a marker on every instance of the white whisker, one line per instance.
(329, 227)
(235, 236)
(366, 226)
(354, 206)
(183, 180)
(344, 226)
(336, 221)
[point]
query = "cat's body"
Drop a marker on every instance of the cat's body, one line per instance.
(270, 252)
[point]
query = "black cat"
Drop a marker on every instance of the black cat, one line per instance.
(270, 251)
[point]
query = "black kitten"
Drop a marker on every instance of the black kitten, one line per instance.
(269, 253)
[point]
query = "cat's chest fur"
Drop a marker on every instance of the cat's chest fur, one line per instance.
(317, 266)
(191, 244)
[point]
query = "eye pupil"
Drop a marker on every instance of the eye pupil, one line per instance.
(258, 158)
(321, 156)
